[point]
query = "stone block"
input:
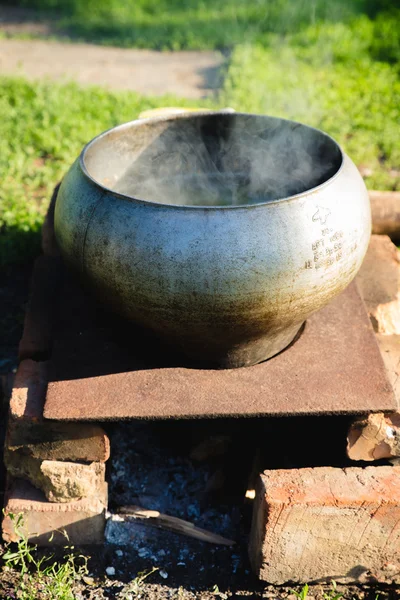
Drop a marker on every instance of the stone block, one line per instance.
(318, 524)
(30, 435)
(60, 481)
(374, 437)
(44, 522)
(379, 284)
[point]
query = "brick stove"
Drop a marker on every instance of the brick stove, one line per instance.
(80, 368)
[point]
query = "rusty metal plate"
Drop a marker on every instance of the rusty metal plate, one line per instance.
(103, 370)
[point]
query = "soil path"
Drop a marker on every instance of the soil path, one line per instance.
(184, 74)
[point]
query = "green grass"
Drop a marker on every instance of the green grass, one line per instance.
(342, 76)
(41, 578)
(326, 79)
(43, 128)
(195, 24)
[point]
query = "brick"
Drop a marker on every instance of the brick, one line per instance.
(379, 284)
(375, 437)
(59, 441)
(37, 337)
(6, 386)
(326, 523)
(60, 481)
(82, 520)
(30, 435)
(28, 394)
(389, 346)
(385, 208)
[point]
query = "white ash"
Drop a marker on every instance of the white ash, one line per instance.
(146, 472)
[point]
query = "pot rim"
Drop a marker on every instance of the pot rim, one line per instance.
(190, 115)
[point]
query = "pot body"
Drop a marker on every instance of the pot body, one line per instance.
(230, 286)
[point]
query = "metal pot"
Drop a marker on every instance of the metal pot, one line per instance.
(220, 232)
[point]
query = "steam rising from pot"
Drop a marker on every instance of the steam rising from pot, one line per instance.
(219, 160)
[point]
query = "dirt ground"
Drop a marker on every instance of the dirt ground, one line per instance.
(184, 74)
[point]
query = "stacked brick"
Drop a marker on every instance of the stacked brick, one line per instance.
(56, 470)
(377, 436)
(319, 524)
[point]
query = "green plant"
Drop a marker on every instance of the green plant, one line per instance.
(333, 594)
(216, 592)
(135, 587)
(302, 595)
(42, 578)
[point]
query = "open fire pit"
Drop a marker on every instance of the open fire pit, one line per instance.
(226, 278)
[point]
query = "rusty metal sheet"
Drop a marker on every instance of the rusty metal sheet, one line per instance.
(102, 370)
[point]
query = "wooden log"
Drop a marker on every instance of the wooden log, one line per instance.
(385, 207)
(162, 521)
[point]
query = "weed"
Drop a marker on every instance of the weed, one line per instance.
(135, 587)
(42, 578)
(216, 592)
(302, 595)
(333, 594)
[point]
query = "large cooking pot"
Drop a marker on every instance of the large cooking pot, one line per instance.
(220, 232)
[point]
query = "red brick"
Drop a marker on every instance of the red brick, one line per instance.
(29, 434)
(379, 284)
(389, 346)
(326, 523)
(37, 337)
(59, 441)
(29, 391)
(83, 520)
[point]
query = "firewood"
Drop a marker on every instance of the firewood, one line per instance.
(157, 519)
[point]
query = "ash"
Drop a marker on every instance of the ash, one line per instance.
(151, 467)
